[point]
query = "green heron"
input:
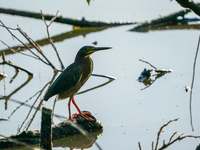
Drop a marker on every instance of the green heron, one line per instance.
(74, 77)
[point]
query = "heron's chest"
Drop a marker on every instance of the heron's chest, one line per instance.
(87, 68)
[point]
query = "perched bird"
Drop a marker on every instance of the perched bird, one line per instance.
(74, 77)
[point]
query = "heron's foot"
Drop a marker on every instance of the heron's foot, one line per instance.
(72, 118)
(85, 114)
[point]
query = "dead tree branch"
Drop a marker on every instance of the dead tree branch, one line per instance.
(192, 84)
(16, 51)
(179, 138)
(50, 39)
(191, 5)
(161, 21)
(33, 43)
(36, 46)
(147, 63)
(160, 131)
(14, 66)
(57, 38)
(75, 22)
(26, 46)
(171, 140)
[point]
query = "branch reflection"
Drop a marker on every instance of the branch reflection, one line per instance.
(58, 38)
(149, 81)
(6, 98)
(74, 142)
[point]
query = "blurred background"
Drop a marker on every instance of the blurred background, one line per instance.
(130, 111)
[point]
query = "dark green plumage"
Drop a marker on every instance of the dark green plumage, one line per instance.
(74, 76)
(66, 80)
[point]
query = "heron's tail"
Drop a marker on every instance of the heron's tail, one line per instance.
(47, 96)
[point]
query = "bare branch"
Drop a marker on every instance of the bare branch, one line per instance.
(179, 138)
(191, 5)
(148, 63)
(161, 129)
(14, 66)
(22, 42)
(15, 51)
(50, 39)
(37, 47)
(139, 146)
(192, 84)
(152, 145)
(75, 22)
(172, 136)
(104, 76)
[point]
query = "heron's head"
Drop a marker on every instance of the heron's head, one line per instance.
(88, 50)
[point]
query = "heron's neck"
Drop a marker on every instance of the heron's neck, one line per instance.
(86, 64)
(85, 61)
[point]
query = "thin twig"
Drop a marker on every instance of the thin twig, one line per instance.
(7, 28)
(110, 80)
(54, 105)
(165, 145)
(104, 76)
(172, 136)
(152, 145)
(28, 114)
(38, 108)
(148, 63)
(22, 103)
(158, 136)
(179, 138)
(17, 89)
(139, 146)
(16, 51)
(16, 73)
(36, 46)
(195, 59)
(41, 101)
(50, 39)
(14, 66)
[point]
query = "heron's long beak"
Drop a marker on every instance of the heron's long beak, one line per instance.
(101, 48)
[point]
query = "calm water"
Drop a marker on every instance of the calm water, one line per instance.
(128, 114)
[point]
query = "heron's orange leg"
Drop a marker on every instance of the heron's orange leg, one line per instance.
(82, 114)
(69, 108)
(76, 105)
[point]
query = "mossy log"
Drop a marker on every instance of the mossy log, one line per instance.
(59, 132)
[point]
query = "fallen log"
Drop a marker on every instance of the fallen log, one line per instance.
(63, 131)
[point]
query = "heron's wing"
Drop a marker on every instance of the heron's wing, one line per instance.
(67, 79)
